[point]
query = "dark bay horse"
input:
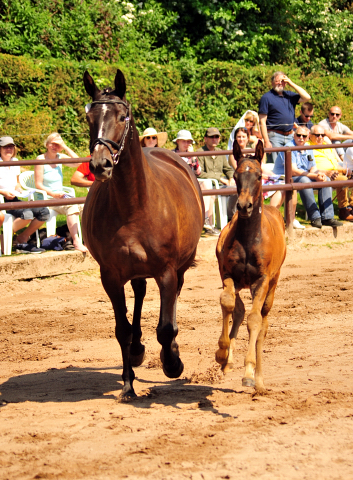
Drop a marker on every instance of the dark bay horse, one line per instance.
(250, 251)
(143, 218)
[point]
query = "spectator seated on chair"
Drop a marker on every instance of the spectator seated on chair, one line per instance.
(216, 166)
(304, 170)
(10, 188)
(49, 177)
(83, 177)
(301, 136)
(327, 161)
(336, 131)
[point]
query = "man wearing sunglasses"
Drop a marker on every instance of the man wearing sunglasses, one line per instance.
(305, 170)
(335, 130)
(327, 162)
(306, 114)
(217, 166)
(277, 112)
(300, 138)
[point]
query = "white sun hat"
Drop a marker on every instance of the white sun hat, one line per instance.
(161, 136)
(184, 135)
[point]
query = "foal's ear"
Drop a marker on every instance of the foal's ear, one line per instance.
(259, 151)
(237, 151)
(90, 86)
(120, 85)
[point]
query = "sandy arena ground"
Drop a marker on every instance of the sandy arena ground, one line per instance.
(61, 417)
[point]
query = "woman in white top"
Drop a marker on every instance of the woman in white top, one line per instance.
(10, 187)
(49, 177)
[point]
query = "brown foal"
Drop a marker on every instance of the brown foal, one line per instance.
(250, 251)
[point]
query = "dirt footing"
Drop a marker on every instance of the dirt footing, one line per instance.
(22, 267)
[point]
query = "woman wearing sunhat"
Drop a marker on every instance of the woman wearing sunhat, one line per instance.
(150, 138)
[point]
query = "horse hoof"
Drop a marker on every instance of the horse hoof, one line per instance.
(137, 360)
(228, 367)
(222, 356)
(128, 395)
(174, 372)
(248, 382)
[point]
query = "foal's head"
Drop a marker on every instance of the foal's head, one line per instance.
(248, 177)
(108, 117)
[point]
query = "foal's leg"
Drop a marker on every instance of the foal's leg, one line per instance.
(259, 292)
(232, 309)
(259, 381)
(123, 329)
(137, 350)
(167, 328)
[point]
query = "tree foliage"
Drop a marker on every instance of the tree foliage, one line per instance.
(314, 34)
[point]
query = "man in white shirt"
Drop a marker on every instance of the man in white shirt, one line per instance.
(336, 131)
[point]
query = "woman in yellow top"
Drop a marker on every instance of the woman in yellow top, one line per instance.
(327, 161)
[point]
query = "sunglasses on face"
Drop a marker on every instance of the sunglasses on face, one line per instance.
(247, 120)
(214, 136)
(308, 116)
(153, 138)
(335, 114)
(301, 135)
(319, 134)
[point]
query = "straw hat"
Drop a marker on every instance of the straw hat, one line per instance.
(151, 132)
(184, 135)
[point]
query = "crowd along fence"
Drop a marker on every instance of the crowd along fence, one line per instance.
(288, 186)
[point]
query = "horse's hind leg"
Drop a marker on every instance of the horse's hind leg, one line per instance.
(169, 286)
(123, 330)
(137, 350)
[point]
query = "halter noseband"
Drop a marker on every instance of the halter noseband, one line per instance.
(105, 141)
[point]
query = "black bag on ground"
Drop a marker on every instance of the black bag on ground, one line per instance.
(63, 231)
(54, 242)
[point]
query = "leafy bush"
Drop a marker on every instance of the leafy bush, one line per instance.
(45, 96)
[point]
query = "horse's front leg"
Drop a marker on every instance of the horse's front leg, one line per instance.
(224, 355)
(137, 350)
(167, 328)
(123, 329)
(254, 322)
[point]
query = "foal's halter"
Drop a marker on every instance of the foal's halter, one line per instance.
(105, 141)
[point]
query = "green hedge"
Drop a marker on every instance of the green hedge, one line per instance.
(39, 97)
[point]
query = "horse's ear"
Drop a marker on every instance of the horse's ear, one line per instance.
(259, 151)
(120, 85)
(90, 86)
(237, 151)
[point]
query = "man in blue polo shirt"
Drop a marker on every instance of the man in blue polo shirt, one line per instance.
(277, 112)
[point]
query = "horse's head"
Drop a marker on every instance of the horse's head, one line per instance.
(108, 117)
(248, 177)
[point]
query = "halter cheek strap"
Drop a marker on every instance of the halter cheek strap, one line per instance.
(119, 147)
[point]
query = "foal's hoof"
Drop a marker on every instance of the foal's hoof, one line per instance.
(175, 370)
(228, 367)
(222, 356)
(138, 358)
(248, 382)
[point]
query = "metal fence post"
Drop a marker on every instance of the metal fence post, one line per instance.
(288, 206)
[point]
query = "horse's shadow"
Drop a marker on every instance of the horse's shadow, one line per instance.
(74, 384)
